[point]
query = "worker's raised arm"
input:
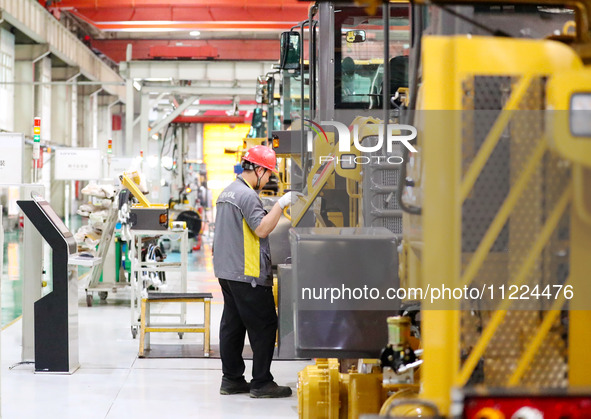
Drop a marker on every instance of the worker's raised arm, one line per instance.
(269, 221)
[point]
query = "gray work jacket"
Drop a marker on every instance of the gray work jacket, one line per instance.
(238, 253)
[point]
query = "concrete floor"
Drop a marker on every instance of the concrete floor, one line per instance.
(113, 382)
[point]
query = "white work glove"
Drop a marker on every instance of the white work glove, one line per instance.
(286, 199)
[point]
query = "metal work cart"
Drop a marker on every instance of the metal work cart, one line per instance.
(138, 267)
(94, 281)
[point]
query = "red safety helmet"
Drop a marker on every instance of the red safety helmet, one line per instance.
(260, 155)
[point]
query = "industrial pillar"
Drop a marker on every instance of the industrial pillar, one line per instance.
(81, 128)
(64, 109)
(27, 58)
(7, 90)
(70, 185)
(24, 76)
(74, 121)
(61, 103)
(117, 133)
(199, 141)
(103, 122)
(94, 116)
(43, 96)
(129, 108)
(144, 122)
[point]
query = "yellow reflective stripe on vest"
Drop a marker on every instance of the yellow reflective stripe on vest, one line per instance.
(252, 251)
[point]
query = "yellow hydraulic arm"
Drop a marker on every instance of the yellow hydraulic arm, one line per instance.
(132, 186)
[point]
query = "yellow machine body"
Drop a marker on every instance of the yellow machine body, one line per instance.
(323, 171)
(131, 182)
(538, 77)
(318, 390)
(505, 203)
(325, 393)
(144, 215)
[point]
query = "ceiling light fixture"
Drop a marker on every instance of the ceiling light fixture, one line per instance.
(195, 33)
(144, 30)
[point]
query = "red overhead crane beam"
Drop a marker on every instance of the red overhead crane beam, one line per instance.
(112, 15)
(191, 26)
(220, 49)
(188, 15)
(97, 4)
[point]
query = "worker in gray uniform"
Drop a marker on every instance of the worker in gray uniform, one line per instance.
(242, 264)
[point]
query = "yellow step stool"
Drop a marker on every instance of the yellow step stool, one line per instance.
(169, 297)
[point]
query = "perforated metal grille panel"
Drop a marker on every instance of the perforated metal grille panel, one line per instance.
(548, 369)
(385, 177)
(385, 202)
(392, 224)
(380, 178)
(484, 96)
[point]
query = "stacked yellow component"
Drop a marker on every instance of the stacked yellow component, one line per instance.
(318, 390)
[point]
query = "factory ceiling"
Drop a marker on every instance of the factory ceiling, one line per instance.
(181, 29)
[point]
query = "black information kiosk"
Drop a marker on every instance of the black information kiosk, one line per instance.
(56, 314)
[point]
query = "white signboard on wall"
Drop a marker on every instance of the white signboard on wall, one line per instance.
(78, 164)
(11, 158)
(120, 165)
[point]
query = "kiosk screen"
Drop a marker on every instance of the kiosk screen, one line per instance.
(51, 214)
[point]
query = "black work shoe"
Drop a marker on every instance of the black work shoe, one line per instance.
(234, 387)
(270, 391)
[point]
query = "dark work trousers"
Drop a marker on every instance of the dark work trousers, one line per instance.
(252, 310)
